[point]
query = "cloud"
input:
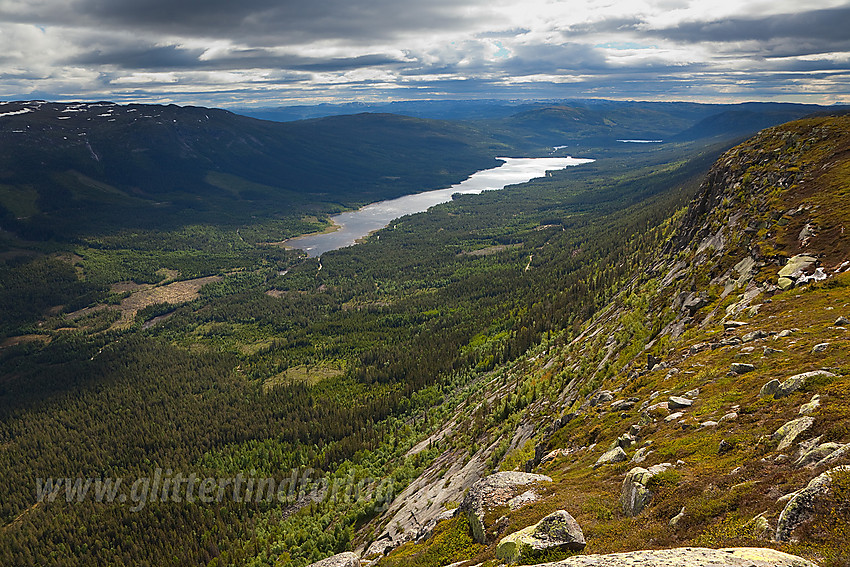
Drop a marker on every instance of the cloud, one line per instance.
(220, 52)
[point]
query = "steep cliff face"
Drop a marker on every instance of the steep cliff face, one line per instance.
(723, 367)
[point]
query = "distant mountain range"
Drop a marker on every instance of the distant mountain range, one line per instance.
(72, 167)
(102, 162)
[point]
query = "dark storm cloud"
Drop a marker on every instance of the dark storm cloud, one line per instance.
(265, 22)
(826, 26)
(141, 57)
(175, 58)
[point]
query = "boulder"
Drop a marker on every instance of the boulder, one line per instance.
(347, 559)
(688, 557)
(678, 402)
(641, 455)
(797, 381)
(788, 433)
(557, 531)
(811, 407)
(818, 348)
(796, 265)
(673, 416)
(755, 335)
(615, 455)
(785, 283)
(741, 368)
(728, 325)
(492, 492)
(694, 303)
(634, 496)
(802, 505)
(601, 398)
(658, 410)
(842, 321)
(769, 389)
(811, 455)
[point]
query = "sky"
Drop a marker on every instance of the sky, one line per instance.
(260, 53)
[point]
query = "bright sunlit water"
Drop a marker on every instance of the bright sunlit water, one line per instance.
(357, 224)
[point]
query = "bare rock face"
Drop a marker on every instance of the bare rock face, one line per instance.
(492, 492)
(688, 557)
(415, 512)
(346, 559)
(802, 505)
(557, 531)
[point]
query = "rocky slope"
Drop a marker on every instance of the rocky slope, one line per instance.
(706, 406)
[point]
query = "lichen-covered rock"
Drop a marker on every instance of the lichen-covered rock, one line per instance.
(797, 381)
(491, 492)
(658, 410)
(769, 389)
(634, 496)
(796, 265)
(615, 455)
(835, 456)
(811, 407)
(741, 367)
(557, 531)
(641, 454)
(346, 559)
(802, 505)
(816, 453)
(601, 398)
(678, 402)
(688, 557)
(788, 433)
(818, 348)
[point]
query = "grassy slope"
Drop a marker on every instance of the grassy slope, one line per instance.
(802, 163)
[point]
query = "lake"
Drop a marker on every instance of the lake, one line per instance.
(354, 225)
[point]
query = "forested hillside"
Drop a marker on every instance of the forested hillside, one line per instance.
(705, 406)
(452, 338)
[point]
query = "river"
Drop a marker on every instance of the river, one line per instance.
(354, 225)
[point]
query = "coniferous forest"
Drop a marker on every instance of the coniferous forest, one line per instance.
(267, 362)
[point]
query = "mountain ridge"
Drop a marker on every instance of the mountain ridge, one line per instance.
(691, 329)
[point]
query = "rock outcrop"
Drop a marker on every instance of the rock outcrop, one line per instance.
(788, 433)
(802, 505)
(688, 557)
(346, 559)
(615, 455)
(635, 495)
(492, 492)
(557, 531)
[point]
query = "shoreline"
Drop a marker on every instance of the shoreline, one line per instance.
(334, 226)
